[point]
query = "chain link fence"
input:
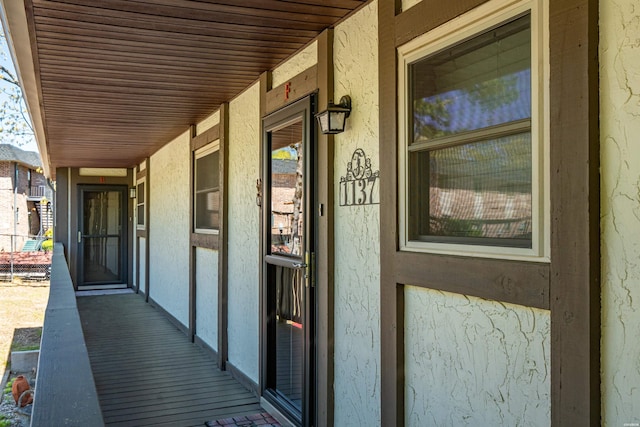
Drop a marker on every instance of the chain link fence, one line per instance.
(24, 258)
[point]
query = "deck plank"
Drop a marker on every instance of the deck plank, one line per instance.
(148, 373)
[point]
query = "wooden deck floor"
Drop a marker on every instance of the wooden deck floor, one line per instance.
(148, 373)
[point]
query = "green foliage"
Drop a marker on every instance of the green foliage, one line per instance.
(458, 227)
(26, 348)
(47, 245)
(492, 94)
(431, 117)
(4, 422)
(7, 388)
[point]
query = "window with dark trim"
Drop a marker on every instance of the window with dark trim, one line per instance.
(206, 200)
(140, 205)
(469, 149)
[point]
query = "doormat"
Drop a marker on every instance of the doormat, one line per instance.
(263, 419)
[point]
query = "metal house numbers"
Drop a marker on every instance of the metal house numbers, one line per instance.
(361, 185)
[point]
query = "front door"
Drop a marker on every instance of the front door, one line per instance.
(102, 237)
(288, 256)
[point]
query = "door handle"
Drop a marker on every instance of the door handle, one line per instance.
(79, 236)
(299, 265)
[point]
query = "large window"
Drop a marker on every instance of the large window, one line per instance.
(207, 189)
(469, 141)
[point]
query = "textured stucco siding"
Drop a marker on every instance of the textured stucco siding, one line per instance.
(207, 296)
(620, 210)
(357, 257)
(169, 228)
(475, 362)
(208, 123)
(142, 282)
(244, 232)
(406, 4)
(293, 66)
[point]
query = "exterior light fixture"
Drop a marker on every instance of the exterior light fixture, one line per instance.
(132, 193)
(333, 119)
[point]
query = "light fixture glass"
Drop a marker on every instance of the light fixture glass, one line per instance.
(334, 118)
(132, 193)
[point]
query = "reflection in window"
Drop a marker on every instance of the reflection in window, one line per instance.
(470, 155)
(287, 226)
(207, 190)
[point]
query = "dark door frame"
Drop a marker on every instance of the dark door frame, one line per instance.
(304, 108)
(124, 236)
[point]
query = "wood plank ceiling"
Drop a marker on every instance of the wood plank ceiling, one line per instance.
(120, 78)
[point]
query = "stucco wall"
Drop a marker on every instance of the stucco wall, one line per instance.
(208, 123)
(620, 209)
(244, 232)
(142, 282)
(207, 296)
(357, 257)
(169, 228)
(406, 4)
(293, 66)
(475, 362)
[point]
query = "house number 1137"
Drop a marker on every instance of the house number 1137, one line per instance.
(359, 192)
(360, 185)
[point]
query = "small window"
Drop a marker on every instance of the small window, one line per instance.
(469, 155)
(207, 189)
(140, 209)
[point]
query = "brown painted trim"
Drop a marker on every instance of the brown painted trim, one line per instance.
(569, 286)
(192, 250)
(136, 240)
(210, 135)
(516, 282)
(575, 208)
(140, 174)
(427, 15)
(203, 240)
(265, 87)
(301, 85)
(325, 244)
(131, 238)
(147, 228)
(223, 240)
(391, 358)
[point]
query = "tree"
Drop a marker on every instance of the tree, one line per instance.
(15, 126)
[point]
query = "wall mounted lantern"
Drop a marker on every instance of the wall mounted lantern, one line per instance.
(333, 119)
(132, 193)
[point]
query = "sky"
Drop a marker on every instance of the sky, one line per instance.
(28, 144)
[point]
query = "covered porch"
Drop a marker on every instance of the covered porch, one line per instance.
(148, 373)
(114, 359)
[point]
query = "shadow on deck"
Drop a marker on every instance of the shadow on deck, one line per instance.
(147, 372)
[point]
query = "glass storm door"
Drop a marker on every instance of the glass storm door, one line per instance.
(102, 236)
(288, 255)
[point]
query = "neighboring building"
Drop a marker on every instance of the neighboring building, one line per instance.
(464, 253)
(25, 198)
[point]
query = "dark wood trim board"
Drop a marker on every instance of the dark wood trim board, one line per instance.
(569, 285)
(325, 243)
(223, 240)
